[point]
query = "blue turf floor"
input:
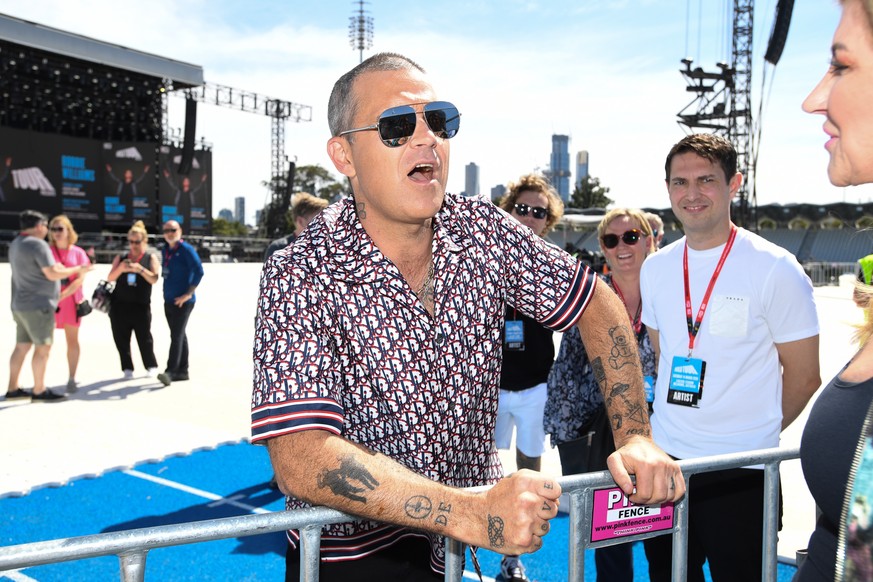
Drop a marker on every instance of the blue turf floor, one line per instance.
(228, 481)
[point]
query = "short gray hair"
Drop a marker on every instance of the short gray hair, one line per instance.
(343, 104)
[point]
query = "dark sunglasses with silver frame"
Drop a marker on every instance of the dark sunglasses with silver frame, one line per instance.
(524, 209)
(396, 125)
(629, 237)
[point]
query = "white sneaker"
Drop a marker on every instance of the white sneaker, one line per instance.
(511, 569)
(152, 372)
(128, 374)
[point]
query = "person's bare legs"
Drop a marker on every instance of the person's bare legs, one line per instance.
(16, 361)
(72, 334)
(38, 363)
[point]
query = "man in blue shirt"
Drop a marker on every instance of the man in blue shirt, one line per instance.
(182, 271)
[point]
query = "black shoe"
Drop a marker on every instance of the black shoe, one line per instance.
(48, 396)
(165, 379)
(178, 376)
(18, 393)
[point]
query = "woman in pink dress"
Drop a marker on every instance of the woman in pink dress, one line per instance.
(62, 238)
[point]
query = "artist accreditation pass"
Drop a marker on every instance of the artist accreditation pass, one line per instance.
(616, 517)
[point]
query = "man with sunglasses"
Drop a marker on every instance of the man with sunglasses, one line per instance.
(378, 349)
(182, 272)
(733, 322)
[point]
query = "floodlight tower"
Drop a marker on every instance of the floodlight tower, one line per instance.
(361, 29)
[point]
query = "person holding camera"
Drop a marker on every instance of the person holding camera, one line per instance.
(134, 274)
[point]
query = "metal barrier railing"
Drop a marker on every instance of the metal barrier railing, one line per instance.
(132, 546)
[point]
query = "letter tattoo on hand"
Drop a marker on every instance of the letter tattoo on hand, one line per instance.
(339, 480)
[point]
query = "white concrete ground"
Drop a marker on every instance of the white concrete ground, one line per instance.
(111, 422)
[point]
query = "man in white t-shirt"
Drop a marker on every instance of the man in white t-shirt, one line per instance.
(737, 353)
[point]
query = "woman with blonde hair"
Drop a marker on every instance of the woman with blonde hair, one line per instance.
(134, 273)
(63, 239)
(835, 450)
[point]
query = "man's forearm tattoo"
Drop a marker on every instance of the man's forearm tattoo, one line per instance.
(623, 349)
(495, 531)
(420, 507)
(599, 373)
(349, 480)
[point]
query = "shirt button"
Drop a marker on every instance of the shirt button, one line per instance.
(440, 338)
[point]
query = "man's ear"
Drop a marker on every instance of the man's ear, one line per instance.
(735, 184)
(340, 153)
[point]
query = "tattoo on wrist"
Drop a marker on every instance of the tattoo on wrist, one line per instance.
(418, 507)
(350, 480)
(495, 531)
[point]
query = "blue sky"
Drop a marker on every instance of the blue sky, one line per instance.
(604, 72)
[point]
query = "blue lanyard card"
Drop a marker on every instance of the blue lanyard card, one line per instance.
(513, 336)
(686, 381)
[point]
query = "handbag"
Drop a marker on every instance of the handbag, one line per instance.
(83, 308)
(101, 300)
(590, 451)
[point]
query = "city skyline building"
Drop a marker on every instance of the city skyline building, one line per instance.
(559, 165)
(498, 191)
(471, 180)
(239, 209)
(581, 166)
(226, 214)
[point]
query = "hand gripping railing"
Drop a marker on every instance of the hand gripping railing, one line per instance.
(132, 546)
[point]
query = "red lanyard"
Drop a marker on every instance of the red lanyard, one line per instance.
(636, 322)
(694, 327)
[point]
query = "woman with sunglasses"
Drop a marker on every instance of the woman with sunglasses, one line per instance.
(134, 274)
(528, 350)
(835, 449)
(62, 239)
(575, 412)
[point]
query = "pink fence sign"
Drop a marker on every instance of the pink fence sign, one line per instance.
(616, 517)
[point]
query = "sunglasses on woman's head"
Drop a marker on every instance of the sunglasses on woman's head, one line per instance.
(630, 237)
(538, 211)
(396, 125)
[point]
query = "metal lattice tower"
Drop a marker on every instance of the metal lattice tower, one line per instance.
(723, 104)
(279, 112)
(361, 29)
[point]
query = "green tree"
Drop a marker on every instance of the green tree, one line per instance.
(590, 194)
(318, 181)
(224, 227)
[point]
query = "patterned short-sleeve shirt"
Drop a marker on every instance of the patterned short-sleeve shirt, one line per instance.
(343, 344)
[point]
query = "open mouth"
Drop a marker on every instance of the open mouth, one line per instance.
(422, 173)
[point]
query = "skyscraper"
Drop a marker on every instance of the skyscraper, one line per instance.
(225, 214)
(559, 166)
(581, 166)
(239, 209)
(471, 180)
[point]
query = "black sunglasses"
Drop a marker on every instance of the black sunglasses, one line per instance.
(57, 229)
(630, 237)
(396, 125)
(537, 211)
(169, 230)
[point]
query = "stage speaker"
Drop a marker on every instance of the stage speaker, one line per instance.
(779, 34)
(190, 131)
